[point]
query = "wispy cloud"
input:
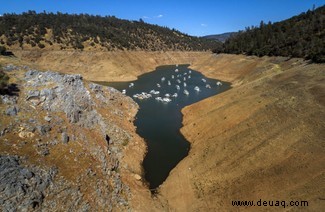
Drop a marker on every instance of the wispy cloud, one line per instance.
(153, 17)
(204, 25)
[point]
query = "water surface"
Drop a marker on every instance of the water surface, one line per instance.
(159, 122)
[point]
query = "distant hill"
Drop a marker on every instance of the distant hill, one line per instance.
(300, 36)
(220, 37)
(65, 31)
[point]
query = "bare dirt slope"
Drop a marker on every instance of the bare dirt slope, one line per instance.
(263, 139)
(106, 66)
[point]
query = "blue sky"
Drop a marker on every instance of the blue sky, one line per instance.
(194, 17)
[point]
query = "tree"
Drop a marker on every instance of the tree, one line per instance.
(299, 36)
(75, 30)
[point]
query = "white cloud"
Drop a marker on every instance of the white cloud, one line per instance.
(152, 17)
(204, 25)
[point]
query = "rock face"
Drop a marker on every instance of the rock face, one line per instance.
(27, 188)
(62, 143)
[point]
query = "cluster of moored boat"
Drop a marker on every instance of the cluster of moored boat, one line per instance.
(178, 79)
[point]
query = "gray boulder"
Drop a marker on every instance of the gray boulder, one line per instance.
(12, 110)
(43, 129)
(64, 138)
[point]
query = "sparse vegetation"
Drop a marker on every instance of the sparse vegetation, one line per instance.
(2, 50)
(300, 36)
(125, 142)
(4, 78)
(77, 31)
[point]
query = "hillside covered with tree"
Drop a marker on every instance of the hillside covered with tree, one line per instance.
(66, 31)
(220, 37)
(300, 36)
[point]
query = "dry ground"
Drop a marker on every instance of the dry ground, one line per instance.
(262, 139)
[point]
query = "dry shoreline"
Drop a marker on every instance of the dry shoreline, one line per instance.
(261, 139)
(258, 140)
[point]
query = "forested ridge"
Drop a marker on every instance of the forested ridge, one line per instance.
(80, 31)
(300, 36)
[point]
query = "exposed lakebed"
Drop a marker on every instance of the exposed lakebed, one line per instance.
(159, 120)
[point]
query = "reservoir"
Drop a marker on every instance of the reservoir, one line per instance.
(161, 95)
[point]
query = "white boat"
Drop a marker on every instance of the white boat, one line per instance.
(186, 92)
(175, 95)
(204, 80)
(154, 92)
(158, 98)
(197, 88)
(176, 70)
(189, 71)
(169, 82)
(173, 76)
(142, 95)
(167, 95)
(184, 78)
(185, 74)
(131, 85)
(123, 91)
(178, 81)
(163, 79)
(158, 85)
(184, 84)
(177, 87)
(166, 99)
(207, 86)
(219, 83)
(189, 77)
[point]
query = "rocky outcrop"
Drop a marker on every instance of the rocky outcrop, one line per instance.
(62, 141)
(27, 188)
(21, 187)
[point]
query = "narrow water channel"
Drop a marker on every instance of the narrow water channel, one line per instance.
(159, 120)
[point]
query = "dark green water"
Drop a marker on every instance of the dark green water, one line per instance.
(159, 122)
